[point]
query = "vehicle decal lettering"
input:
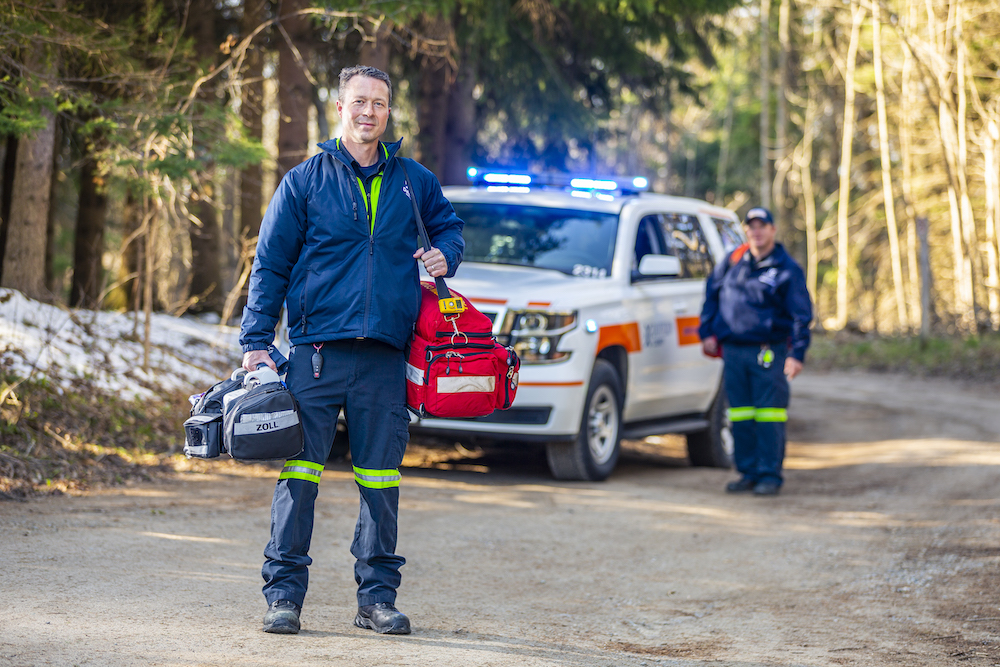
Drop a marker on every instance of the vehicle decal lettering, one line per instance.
(687, 330)
(655, 334)
(585, 271)
(625, 335)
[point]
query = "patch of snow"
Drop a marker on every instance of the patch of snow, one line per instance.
(105, 348)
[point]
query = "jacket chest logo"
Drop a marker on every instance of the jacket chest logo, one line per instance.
(406, 191)
(769, 277)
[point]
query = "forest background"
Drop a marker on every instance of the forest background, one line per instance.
(141, 139)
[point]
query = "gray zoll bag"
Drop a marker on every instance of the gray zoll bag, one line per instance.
(263, 423)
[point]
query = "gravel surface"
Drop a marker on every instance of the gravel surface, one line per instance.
(881, 550)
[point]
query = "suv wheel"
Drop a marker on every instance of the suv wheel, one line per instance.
(713, 447)
(594, 453)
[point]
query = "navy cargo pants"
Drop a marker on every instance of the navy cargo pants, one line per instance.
(367, 379)
(757, 390)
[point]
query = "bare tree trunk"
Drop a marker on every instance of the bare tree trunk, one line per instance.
(461, 128)
(24, 255)
(88, 243)
(846, 153)
(252, 112)
(294, 87)
(50, 222)
(992, 184)
(436, 80)
(204, 231)
(925, 278)
(970, 236)
(727, 139)
(765, 103)
(808, 195)
(433, 97)
(907, 103)
(889, 198)
(375, 50)
(7, 193)
(782, 209)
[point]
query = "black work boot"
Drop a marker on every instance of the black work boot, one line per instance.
(767, 489)
(282, 618)
(383, 618)
(743, 485)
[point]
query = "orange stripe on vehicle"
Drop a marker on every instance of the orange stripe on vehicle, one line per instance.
(576, 383)
(476, 299)
(626, 335)
(539, 304)
(687, 330)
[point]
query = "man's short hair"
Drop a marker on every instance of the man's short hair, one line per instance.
(349, 73)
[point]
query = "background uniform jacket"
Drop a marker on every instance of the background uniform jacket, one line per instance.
(339, 277)
(753, 302)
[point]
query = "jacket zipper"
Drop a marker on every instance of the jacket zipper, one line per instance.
(305, 301)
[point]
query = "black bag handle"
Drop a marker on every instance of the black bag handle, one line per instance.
(446, 302)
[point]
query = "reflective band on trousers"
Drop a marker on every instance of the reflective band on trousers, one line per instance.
(376, 479)
(771, 415)
(304, 470)
(758, 414)
(741, 414)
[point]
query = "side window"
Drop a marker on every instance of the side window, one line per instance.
(686, 241)
(730, 233)
(647, 240)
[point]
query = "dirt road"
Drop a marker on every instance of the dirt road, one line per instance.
(884, 549)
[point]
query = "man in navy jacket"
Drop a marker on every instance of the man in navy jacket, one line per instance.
(338, 248)
(757, 309)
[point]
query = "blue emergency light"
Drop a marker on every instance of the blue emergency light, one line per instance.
(579, 185)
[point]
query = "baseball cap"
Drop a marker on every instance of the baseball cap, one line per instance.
(759, 213)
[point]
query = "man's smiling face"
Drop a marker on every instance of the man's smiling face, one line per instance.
(364, 110)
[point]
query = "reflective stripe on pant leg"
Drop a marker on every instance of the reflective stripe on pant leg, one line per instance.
(771, 415)
(742, 414)
(376, 479)
(307, 471)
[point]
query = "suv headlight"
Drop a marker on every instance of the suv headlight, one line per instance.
(535, 334)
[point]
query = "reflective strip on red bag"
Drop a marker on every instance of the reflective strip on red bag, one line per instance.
(466, 384)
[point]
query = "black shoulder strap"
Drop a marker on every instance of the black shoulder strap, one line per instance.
(442, 289)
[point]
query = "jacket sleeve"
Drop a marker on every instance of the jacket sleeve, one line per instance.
(710, 309)
(443, 224)
(799, 307)
(282, 233)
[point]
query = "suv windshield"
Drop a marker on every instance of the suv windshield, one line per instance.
(577, 243)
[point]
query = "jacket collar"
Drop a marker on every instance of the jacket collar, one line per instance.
(333, 147)
(774, 258)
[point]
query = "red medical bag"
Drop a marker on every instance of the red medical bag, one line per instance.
(454, 366)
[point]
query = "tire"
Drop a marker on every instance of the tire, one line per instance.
(594, 453)
(713, 447)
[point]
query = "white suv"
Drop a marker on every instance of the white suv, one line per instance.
(598, 286)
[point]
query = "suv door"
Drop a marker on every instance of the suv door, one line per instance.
(690, 385)
(663, 374)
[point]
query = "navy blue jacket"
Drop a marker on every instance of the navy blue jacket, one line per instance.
(317, 254)
(755, 302)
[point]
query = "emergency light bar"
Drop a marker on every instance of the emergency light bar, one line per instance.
(493, 179)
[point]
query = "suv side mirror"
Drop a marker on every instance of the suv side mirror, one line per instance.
(659, 265)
